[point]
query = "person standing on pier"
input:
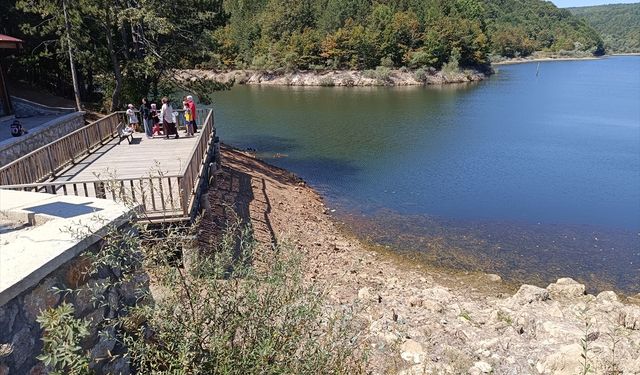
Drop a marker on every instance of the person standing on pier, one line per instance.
(133, 117)
(168, 121)
(145, 112)
(192, 107)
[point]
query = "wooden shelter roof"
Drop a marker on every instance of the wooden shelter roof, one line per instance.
(9, 42)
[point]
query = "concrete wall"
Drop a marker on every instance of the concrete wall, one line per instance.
(26, 108)
(45, 247)
(48, 132)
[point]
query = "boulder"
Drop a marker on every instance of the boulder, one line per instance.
(607, 297)
(562, 331)
(439, 294)
(566, 288)
(412, 351)
(565, 361)
(480, 367)
(529, 294)
(41, 298)
(493, 277)
(630, 317)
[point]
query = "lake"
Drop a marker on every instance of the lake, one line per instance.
(531, 176)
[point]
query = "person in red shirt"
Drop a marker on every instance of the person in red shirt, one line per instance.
(192, 107)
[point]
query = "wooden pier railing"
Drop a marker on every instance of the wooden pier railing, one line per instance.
(161, 197)
(43, 163)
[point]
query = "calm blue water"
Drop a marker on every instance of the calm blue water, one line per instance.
(538, 158)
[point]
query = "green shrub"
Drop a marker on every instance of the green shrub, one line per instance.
(218, 309)
(381, 74)
(420, 75)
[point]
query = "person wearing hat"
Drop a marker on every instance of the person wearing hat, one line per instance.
(133, 117)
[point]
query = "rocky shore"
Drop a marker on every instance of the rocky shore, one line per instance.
(413, 319)
(344, 78)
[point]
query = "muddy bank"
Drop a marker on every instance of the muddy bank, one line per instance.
(416, 319)
(343, 78)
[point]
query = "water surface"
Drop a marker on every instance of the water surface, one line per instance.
(533, 177)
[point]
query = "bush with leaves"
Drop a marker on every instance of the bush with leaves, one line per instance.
(217, 309)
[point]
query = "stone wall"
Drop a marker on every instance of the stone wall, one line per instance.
(26, 108)
(13, 149)
(98, 298)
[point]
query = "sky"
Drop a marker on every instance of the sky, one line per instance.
(581, 3)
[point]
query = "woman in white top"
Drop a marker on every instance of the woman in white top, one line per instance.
(166, 116)
(133, 117)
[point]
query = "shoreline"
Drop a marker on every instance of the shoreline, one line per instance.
(416, 319)
(336, 78)
(545, 59)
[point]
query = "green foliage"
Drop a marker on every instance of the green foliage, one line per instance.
(619, 25)
(217, 308)
(539, 23)
(62, 333)
(123, 50)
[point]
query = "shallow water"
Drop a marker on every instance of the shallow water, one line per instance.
(532, 177)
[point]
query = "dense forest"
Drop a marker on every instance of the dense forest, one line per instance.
(618, 24)
(126, 48)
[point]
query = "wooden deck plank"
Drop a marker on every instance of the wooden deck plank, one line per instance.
(138, 159)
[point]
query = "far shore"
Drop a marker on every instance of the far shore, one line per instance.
(543, 59)
(331, 78)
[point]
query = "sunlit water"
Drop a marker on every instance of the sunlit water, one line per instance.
(529, 176)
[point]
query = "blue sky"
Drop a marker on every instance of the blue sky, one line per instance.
(580, 3)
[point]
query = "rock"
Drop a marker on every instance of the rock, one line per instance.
(41, 298)
(481, 367)
(432, 306)
(561, 330)
(90, 296)
(566, 288)
(412, 351)
(528, 294)
(439, 294)
(364, 294)
(607, 296)
(630, 317)
(101, 352)
(565, 361)
(22, 344)
(8, 315)
(119, 366)
(493, 277)
(38, 369)
(78, 272)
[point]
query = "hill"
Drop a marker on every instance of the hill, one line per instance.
(360, 34)
(618, 24)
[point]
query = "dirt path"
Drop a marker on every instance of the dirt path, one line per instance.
(419, 320)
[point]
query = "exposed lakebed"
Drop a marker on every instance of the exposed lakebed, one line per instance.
(532, 176)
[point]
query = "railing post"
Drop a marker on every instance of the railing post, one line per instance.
(100, 190)
(51, 166)
(86, 141)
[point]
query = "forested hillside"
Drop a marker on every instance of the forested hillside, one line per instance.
(618, 24)
(124, 49)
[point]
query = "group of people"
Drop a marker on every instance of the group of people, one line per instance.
(163, 121)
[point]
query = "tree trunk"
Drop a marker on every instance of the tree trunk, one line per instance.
(115, 97)
(74, 75)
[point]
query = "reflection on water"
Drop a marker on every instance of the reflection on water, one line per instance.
(520, 253)
(533, 176)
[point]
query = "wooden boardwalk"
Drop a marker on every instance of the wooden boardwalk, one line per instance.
(138, 159)
(164, 177)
